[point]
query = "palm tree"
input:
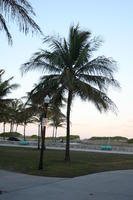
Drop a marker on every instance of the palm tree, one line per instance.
(15, 107)
(5, 89)
(71, 70)
(27, 116)
(57, 119)
(4, 117)
(36, 100)
(19, 11)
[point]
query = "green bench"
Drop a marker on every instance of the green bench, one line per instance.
(106, 147)
(23, 142)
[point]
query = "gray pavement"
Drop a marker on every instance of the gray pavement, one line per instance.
(72, 149)
(116, 185)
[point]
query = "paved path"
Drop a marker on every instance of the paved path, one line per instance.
(115, 185)
(72, 149)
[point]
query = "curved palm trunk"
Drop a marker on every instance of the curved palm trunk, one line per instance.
(67, 153)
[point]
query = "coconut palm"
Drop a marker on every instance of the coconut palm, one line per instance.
(72, 70)
(5, 89)
(27, 116)
(36, 97)
(15, 107)
(19, 11)
(4, 117)
(57, 119)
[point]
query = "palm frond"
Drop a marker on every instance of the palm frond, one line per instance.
(42, 60)
(100, 99)
(19, 11)
(98, 66)
(100, 82)
(4, 27)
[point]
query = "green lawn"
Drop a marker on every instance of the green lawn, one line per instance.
(26, 161)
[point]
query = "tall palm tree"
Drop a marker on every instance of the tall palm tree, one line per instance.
(71, 70)
(19, 11)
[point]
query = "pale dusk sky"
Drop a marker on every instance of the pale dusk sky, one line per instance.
(112, 20)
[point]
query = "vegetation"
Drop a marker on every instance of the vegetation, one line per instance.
(70, 70)
(27, 116)
(117, 138)
(130, 141)
(5, 88)
(14, 113)
(63, 138)
(19, 11)
(10, 134)
(72, 137)
(58, 119)
(83, 163)
(34, 137)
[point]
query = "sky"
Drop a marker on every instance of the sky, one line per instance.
(112, 21)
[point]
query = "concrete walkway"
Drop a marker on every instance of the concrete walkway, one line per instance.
(72, 149)
(115, 185)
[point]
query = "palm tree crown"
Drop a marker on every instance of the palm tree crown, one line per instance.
(5, 89)
(72, 70)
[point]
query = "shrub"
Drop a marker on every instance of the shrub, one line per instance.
(34, 136)
(130, 141)
(10, 134)
(72, 137)
(116, 138)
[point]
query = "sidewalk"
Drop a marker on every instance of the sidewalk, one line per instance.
(72, 149)
(115, 185)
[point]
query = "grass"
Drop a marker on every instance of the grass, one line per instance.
(26, 161)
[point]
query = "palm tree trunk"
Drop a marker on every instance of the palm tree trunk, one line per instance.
(16, 127)
(4, 128)
(67, 153)
(11, 127)
(55, 133)
(24, 131)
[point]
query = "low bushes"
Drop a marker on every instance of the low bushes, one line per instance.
(10, 134)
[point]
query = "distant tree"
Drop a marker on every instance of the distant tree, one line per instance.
(19, 11)
(71, 70)
(15, 107)
(27, 116)
(4, 117)
(5, 88)
(58, 119)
